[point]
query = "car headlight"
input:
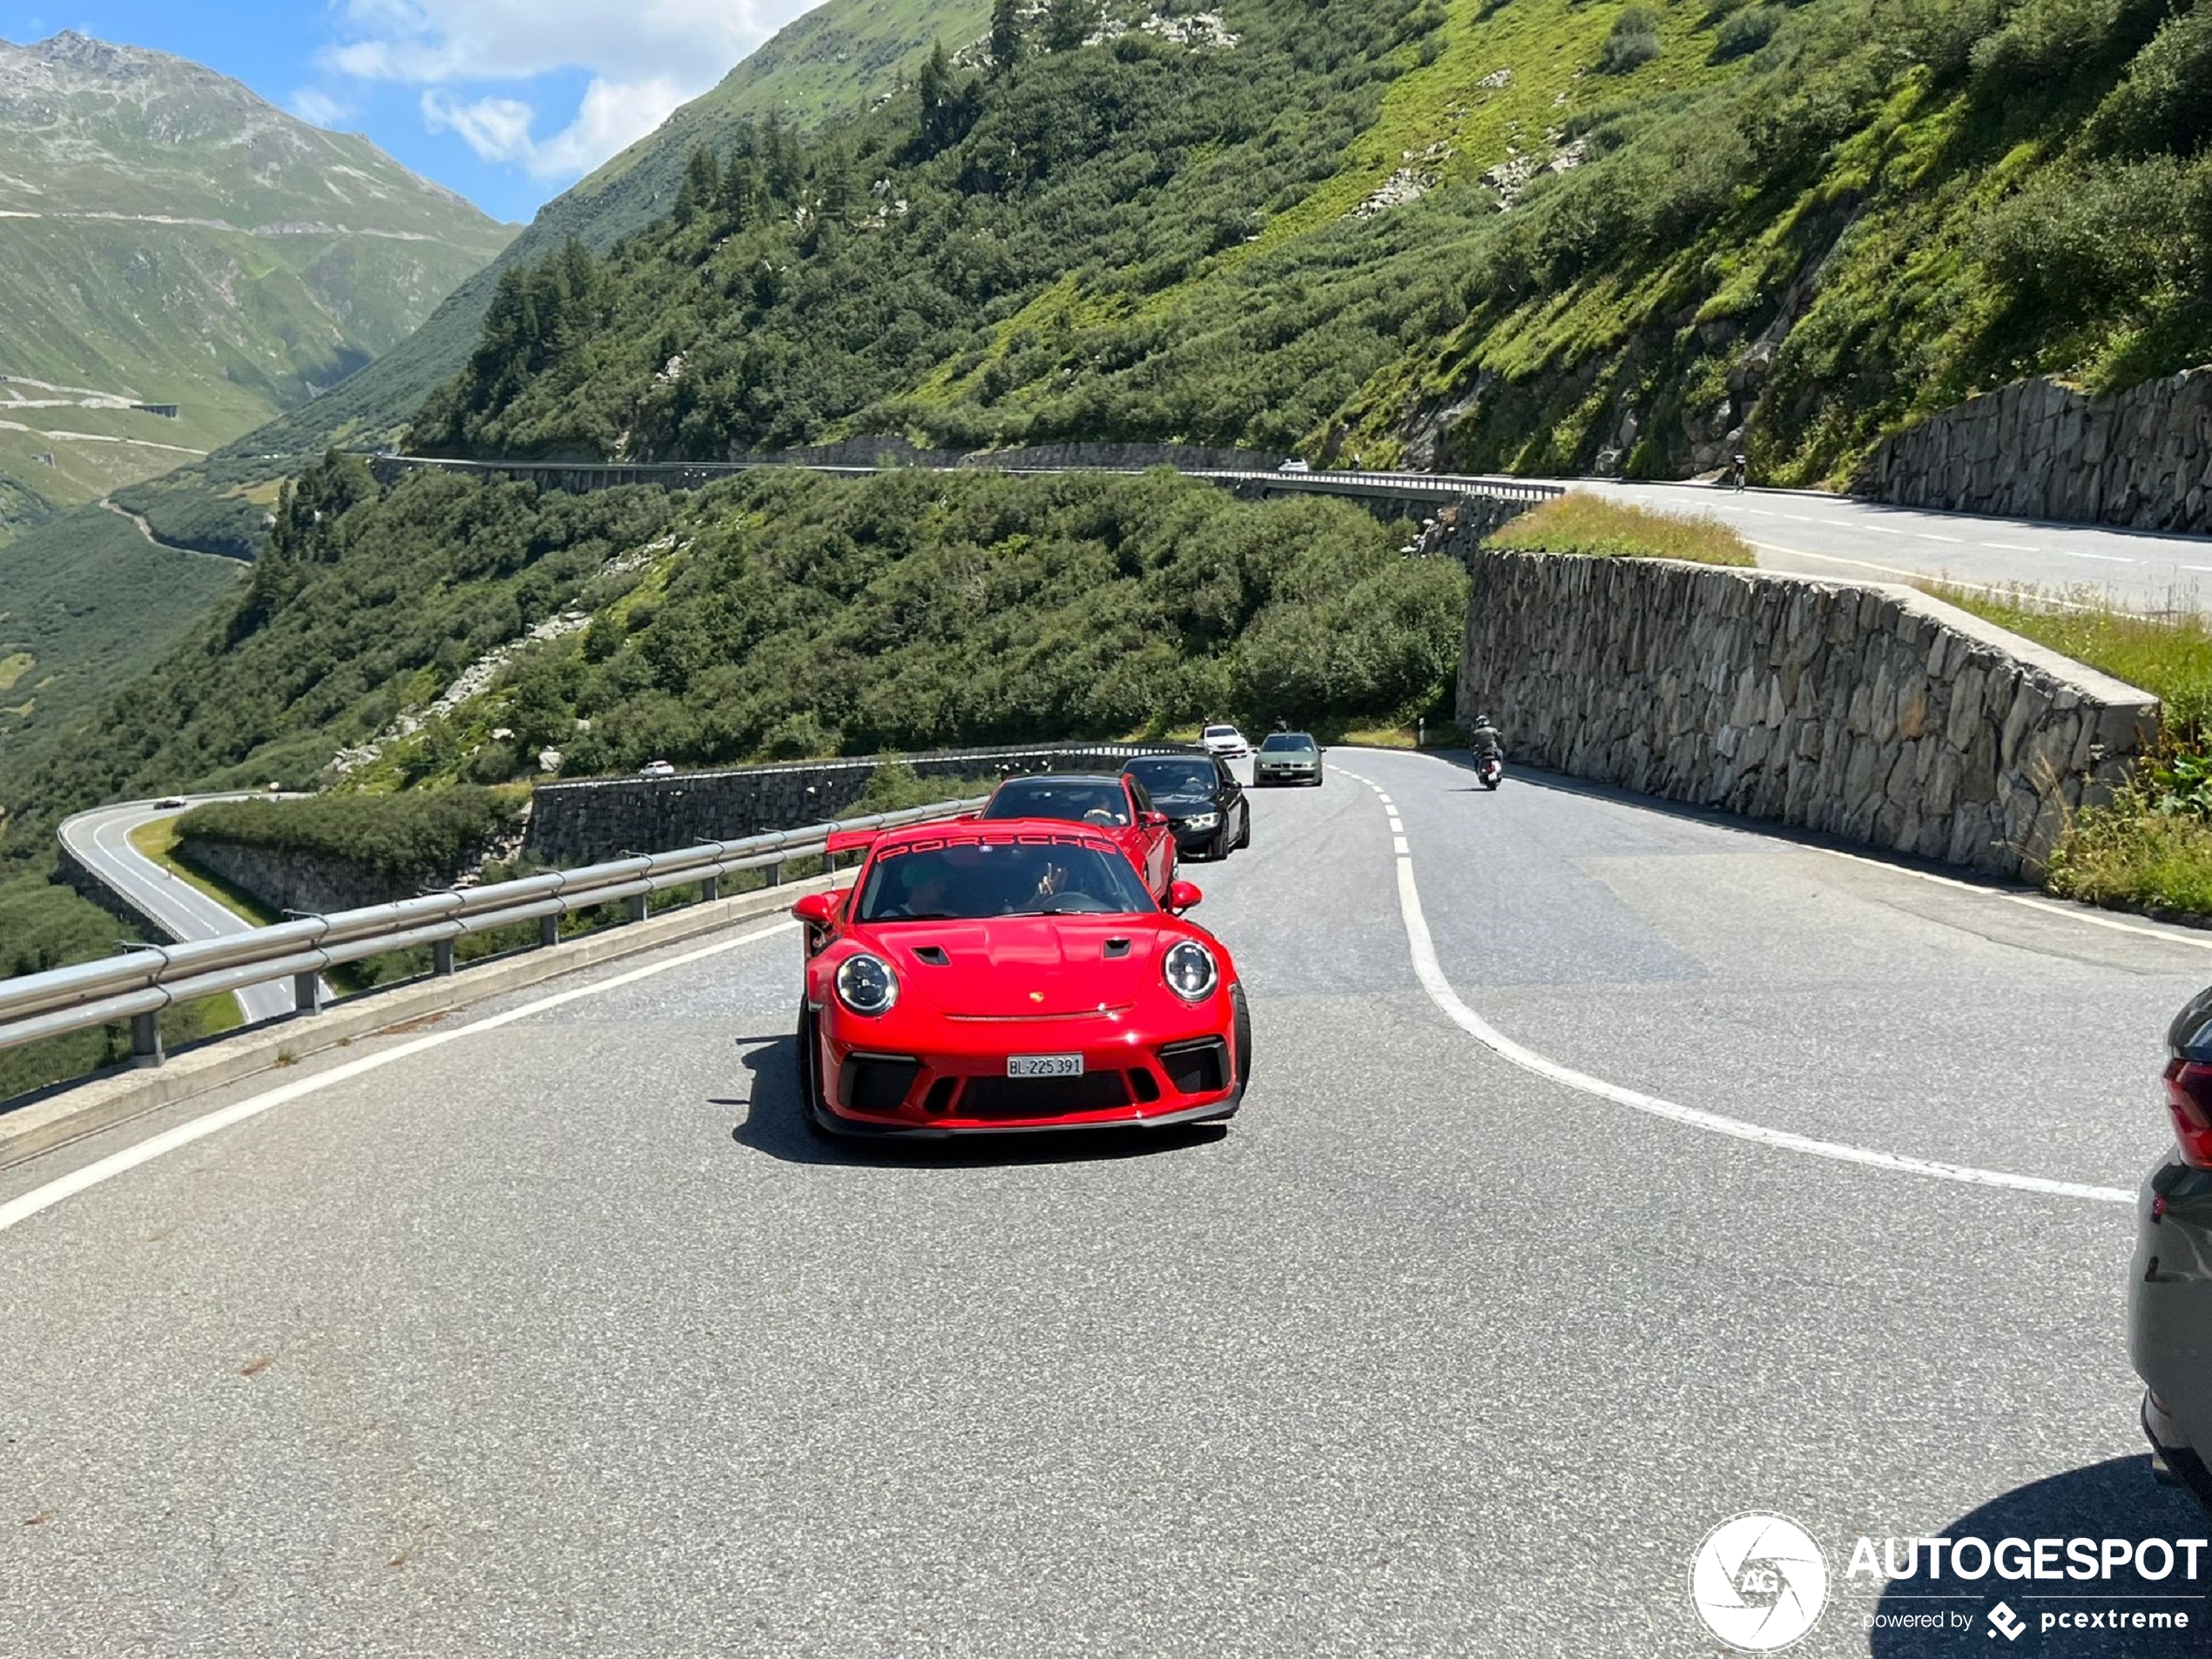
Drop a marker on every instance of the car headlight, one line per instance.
(1202, 820)
(867, 985)
(1191, 971)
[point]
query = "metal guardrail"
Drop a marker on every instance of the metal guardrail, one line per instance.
(1439, 486)
(139, 985)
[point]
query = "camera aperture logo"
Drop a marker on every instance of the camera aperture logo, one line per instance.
(1759, 1582)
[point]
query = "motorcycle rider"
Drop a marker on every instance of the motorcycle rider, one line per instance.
(1486, 740)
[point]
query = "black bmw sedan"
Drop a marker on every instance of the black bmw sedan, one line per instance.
(1203, 802)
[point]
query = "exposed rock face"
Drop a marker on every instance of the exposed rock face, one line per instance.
(2038, 449)
(1873, 713)
(290, 881)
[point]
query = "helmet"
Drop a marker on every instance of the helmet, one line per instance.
(1484, 719)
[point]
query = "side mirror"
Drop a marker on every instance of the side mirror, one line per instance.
(818, 909)
(1182, 896)
(1153, 820)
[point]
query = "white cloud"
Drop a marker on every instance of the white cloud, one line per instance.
(318, 108)
(497, 129)
(644, 58)
(613, 114)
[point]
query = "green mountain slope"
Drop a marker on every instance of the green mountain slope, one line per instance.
(1540, 234)
(832, 61)
(168, 238)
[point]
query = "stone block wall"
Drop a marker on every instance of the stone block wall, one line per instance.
(594, 820)
(2038, 449)
(288, 881)
(1871, 712)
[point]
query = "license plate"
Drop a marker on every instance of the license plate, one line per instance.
(1044, 1065)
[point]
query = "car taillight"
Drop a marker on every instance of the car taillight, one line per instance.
(2188, 1101)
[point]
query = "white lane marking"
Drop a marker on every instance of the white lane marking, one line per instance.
(1398, 846)
(1930, 536)
(1397, 825)
(1430, 972)
(2071, 912)
(1917, 575)
(2102, 558)
(68, 1186)
(2010, 547)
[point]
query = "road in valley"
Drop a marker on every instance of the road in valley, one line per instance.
(100, 841)
(564, 1336)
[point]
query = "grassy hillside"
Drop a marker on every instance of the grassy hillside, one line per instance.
(781, 614)
(1538, 235)
(166, 237)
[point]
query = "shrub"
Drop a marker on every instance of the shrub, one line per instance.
(2165, 101)
(1633, 42)
(425, 835)
(1745, 33)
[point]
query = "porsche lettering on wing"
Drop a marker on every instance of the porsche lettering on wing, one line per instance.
(985, 976)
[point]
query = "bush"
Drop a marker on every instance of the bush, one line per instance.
(1745, 33)
(1634, 43)
(2165, 101)
(424, 836)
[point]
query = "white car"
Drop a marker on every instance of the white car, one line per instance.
(1225, 741)
(657, 769)
(1296, 464)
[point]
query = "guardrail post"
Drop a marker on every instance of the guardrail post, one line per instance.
(710, 889)
(775, 874)
(639, 903)
(441, 956)
(306, 993)
(146, 1039)
(549, 931)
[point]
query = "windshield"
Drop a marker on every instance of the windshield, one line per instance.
(1282, 741)
(1173, 776)
(1219, 732)
(1086, 800)
(974, 880)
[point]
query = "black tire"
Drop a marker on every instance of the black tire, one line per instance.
(1244, 832)
(810, 1084)
(1218, 845)
(1241, 1043)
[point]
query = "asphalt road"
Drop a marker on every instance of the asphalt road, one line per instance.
(1851, 540)
(101, 842)
(561, 1336)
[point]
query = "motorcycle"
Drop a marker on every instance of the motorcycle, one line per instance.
(1489, 770)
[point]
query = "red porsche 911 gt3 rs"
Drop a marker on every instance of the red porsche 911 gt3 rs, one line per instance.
(987, 976)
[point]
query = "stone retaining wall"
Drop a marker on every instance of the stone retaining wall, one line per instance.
(2037, 449)
(284, 880)
(1871, 712)
(593, 819)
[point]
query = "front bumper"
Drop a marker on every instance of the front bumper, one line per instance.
(952, 1078)
(2169, 1319)
(1287, 775)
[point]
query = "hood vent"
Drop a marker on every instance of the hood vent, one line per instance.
(933, 955)
(1117, 948)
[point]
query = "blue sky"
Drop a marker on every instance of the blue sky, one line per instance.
(507, 101)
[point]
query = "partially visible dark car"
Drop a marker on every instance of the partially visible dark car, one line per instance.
(1287, 758)
(1205, 804)
(1117, 805)
(2169, 1290)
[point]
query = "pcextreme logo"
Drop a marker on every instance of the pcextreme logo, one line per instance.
(1759, 1582)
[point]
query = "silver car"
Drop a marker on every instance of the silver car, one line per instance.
(1288, 757)
(2169, 1290)
(1224, 740)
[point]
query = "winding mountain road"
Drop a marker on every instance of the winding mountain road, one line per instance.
(1609, 1170)
(100, 841)
(1847, 539)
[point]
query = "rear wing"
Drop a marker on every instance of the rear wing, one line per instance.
(850, 840)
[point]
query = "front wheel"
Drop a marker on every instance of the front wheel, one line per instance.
(810, 1080)
(1243, 831)
(1241, 1041)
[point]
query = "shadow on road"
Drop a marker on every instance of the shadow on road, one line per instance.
(2114, 1500)
(772, 1124)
